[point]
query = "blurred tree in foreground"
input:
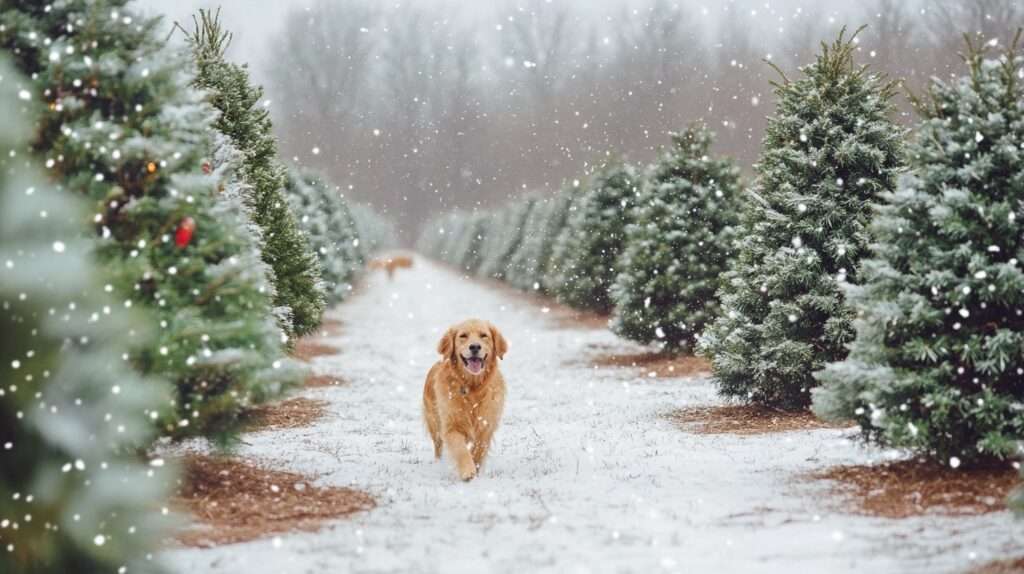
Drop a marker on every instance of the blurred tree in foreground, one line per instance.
(74, 494)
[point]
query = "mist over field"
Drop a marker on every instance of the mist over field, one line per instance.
(425, 106)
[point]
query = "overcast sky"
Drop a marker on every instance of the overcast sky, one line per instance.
(255, 23)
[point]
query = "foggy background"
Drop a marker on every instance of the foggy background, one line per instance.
(430, 105)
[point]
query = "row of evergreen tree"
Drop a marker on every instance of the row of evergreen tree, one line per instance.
(157, 261)
(870, 272)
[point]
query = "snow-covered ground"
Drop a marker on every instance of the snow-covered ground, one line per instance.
(585, 476)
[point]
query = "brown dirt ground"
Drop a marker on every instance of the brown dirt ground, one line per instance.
(319, 381)
(287, 414)
(238, 502)
(913, 488)
(1010, 566)
(745, 420)
(331, 327)
(662, 365)
(308, 348)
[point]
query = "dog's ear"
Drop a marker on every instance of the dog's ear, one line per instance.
(446, 345)
(500, 344)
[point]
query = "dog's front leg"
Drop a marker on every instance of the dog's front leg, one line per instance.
(460, 448)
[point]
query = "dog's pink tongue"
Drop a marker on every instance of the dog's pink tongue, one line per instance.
(475, 365)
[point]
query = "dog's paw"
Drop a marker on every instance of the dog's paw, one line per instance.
(467, 472)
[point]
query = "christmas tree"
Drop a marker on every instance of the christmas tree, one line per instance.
(121, 128)
(73, 495)
(936, 365)
(541, 230)
(678, 246)
(559, 258)
(503, 238)
(296, 273)
(588, 251)
(467, 252)
(326, 220)
(830, 149)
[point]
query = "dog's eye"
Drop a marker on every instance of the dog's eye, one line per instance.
(463, 336)
(483, 336)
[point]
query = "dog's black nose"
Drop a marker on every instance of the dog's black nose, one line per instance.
(474, 348)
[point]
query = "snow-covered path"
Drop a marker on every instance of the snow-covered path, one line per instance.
(585, 475)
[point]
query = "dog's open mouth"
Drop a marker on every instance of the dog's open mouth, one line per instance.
(473, 364)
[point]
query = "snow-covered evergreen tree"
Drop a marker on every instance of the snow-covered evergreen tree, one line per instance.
(541, 230)
(286, 249)
(121, 128)
(558, 257)
(830, 149)
(678, 246)
(503, 237)
(937, 362)
(74, 496)
(467, 252)
(324, 217)
(523, 260)
(595, 235)
(465, 249)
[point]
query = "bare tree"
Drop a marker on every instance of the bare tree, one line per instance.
(419, 109)
(535, 42)
(656, 61)
(334, 37)
(949, 20)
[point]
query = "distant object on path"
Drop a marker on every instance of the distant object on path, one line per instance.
(390, 264)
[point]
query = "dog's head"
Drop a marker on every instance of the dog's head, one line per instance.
(473, 347)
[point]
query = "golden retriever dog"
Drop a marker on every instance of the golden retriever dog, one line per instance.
(390, 264)
(464, 395)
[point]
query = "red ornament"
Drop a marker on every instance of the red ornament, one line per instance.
(183, 235)
(207, 168)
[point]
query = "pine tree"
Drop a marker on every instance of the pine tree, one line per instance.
(559, 257)
(678, 246)
(73, 495)
(468, 251)
(830, 149)
(121, 128)
(594, 237)
(523, 259)
(326, 220)
(503, 238)
(936, 365)
(541, 231)
(286, 249)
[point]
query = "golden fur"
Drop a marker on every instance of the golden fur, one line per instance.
(390, 264)
(462, 409)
